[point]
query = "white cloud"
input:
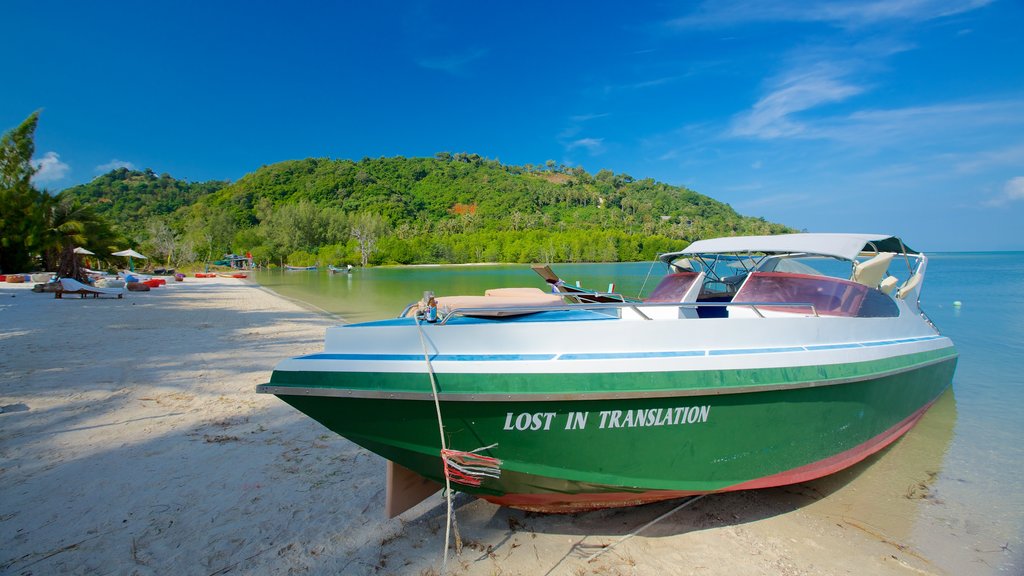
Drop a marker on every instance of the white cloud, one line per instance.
(455, 64)
(1013, 191)
(114, 165)
(951, 125)
(592, 145)
(796, 91)
(50, 168)
(842, 13)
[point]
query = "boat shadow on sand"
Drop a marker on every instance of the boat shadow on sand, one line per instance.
(878, 499)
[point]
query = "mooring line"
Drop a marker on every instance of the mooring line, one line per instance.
(644, 527)
(444, 448)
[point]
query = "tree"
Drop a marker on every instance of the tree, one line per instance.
(161, 238)
(66, 223)
(20, 202)
(212, 228)
(367, 228)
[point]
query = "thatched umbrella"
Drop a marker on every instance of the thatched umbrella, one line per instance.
(69, 266)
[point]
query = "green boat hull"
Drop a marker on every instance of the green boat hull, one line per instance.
(715, 432)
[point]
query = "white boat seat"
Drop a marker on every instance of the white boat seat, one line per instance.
(517, 292)
(870, 272)
(908, 286)
(499, 301)
(888, 285)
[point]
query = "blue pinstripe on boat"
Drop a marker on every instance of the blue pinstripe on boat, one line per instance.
(834, 346)
(435, 357)
(755, 350)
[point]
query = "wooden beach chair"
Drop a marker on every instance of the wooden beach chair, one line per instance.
(69, 286)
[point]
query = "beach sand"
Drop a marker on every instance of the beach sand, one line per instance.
(133, 442)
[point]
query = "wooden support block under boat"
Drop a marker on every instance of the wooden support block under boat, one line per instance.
(406, 489)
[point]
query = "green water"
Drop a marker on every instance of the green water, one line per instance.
(952, 488)
(376, 293)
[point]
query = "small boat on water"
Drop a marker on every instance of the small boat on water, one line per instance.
(339, 269)
(299, 268)
(756, 361)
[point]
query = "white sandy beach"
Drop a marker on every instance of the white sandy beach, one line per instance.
(133, 442)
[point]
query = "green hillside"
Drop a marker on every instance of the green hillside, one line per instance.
(449, 208)
(129, 197)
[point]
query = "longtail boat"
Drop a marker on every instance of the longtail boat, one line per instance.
(757, 361)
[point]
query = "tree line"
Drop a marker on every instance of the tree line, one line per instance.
(450, 208)
(36, 226)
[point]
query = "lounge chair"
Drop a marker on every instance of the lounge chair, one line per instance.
(69, 286)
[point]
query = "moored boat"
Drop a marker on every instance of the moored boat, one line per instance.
(757, 361)
(299, 268)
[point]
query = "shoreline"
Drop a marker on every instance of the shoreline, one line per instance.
(140, 446)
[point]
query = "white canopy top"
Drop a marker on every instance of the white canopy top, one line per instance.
(81, 250)
(130, 253)
(846, 246)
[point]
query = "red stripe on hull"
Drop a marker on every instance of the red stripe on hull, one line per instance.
(567, 503)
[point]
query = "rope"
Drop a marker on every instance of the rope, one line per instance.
(469, 468)
(466, 468)
(644, 285)
(644, 527)
(444, 447)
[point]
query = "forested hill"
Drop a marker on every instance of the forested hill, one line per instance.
(448, 208)
(124, 195)
(451, 193)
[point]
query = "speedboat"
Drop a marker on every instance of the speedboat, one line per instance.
(757, 361)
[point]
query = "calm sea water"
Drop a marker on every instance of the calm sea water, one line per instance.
(952, 488)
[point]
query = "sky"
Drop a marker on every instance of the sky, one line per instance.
(903, 117)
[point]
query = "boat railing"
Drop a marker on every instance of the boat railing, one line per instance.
(636, 307)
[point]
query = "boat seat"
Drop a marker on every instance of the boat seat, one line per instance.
(517, 292)
(888, 285)
(498, 302)
(908, 286)
(870, 272)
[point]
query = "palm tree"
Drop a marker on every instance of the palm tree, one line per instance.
(67, 223)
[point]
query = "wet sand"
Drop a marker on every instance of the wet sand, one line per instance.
(132, 442)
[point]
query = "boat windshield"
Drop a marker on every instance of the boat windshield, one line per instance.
(822, 282)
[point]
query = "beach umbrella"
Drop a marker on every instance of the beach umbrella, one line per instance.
(82, 251)
(130, 254)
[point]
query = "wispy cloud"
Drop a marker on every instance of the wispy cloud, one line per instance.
(579, 119)
(773, 116)
(593, 146)
(455, 64)
(114, 165)
(948, 124)
(1013, 191)
(841, 13)
(50, 168)
(569, 136)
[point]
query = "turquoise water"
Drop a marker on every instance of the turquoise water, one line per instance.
(952, 488)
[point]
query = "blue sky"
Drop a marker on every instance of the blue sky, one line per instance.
(893, 116)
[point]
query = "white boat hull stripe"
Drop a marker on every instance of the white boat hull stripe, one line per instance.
(605, 355)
